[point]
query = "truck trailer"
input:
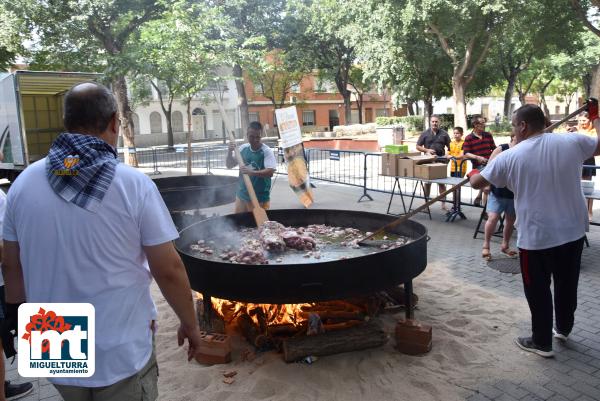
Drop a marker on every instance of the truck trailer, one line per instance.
(31, 115)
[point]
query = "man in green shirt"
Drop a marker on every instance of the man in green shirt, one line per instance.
(259, 165)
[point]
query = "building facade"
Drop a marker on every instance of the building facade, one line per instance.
(319, 105)
(150, 123)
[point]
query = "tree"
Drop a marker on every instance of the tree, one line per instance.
(398, 55)
(249, 29)
(325, 40)
(12, 36)
(104, 27)
(465, 31)
(520, 47)
(276, 75)
(174, 54)
(361, 85)
(588, 13)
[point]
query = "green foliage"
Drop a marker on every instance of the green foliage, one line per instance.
(446, 121)
(410, 123)
(276, 75)
(12, 35)
(502, 128)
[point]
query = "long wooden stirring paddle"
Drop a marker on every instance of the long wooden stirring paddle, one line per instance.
(424, 206)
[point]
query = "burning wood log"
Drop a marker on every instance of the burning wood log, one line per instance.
(261, 317)
(286, 329)
(332, 314)
(364, 336)
(252, 333)
(333, 305)
(211, 324)
(341, 325)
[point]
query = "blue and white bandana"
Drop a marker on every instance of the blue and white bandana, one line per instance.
(80, 169)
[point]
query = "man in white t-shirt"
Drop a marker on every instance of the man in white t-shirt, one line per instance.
(544, 172)
(81, 227)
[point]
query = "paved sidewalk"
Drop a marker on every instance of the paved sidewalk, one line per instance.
(574, 374)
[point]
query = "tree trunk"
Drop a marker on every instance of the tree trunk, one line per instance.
(359, 104)
(460, 112)
(347, 108)
(242, 98)
(120, 90)
(544, 105)
(189, 136)
(170, 140)
(410, 107)
(427, 111)
(508, 94)
(595, 85)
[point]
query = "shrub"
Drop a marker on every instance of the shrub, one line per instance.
(446, 121)
(503, 127)
(410, 123)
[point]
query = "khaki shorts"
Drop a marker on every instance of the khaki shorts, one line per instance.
(143, 386)
(243, 206)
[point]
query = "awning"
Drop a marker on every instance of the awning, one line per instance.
(51, 83)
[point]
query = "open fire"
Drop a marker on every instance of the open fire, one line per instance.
(290, 318)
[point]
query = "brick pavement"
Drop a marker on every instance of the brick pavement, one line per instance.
(574, 374)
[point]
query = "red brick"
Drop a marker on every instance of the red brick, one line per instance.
(214, 349)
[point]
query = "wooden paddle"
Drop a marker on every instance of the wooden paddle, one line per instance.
(408, 215)
(260, 215)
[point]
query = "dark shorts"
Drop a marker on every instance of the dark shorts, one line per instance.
(456, 174)
(588, 172)
(2, 303)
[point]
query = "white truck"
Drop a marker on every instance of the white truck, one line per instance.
(31, 115)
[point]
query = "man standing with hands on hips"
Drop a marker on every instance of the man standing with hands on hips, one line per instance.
(544, 172)
(433, 141)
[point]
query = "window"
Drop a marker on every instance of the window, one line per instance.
(135, 120)
(449, 110)
(557, 109)
(254, 116)
(155, 123)
(381, 113)
(258, 88)
(177, 121)
(308, 117)
(295, 88)
(325, 85)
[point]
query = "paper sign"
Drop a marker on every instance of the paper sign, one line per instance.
(289, 127)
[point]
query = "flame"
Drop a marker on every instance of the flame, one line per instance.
(274, 314)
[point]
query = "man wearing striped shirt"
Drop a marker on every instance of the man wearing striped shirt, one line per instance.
(478, 147)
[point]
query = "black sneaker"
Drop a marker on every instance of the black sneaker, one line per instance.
(14, 391)
(559, 336)
(527, 344)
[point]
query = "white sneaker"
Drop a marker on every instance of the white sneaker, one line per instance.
(559, 336)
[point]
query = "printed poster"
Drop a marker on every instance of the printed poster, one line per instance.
(293, 153)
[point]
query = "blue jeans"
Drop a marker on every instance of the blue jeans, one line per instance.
(499, 205)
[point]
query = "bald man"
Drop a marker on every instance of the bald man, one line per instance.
(97, 231)
(544, 172)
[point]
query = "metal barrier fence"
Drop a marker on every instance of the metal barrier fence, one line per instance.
(354, 168)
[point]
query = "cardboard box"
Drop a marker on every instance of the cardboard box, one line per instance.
(431, 171)
(423, 159)
(406, 167)
(389, 164)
